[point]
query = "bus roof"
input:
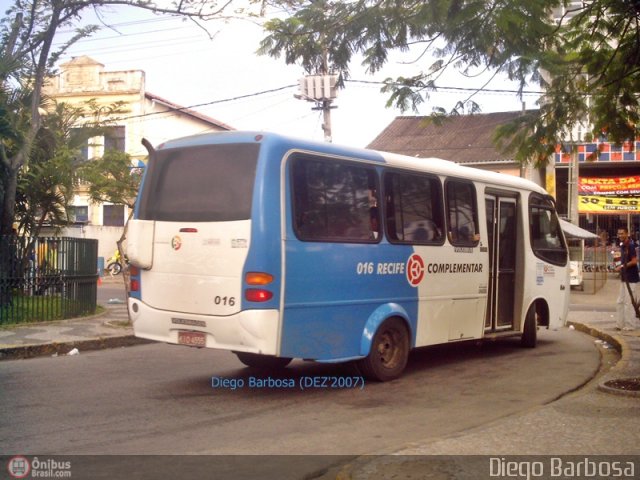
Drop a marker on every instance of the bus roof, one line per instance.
(433, 165)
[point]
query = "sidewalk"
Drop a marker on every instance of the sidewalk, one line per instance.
(105, 330)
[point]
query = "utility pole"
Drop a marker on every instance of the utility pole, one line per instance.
(320, 89)
(326, 104)
(573, 186)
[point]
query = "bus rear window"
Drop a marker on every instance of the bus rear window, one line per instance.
(212, 183)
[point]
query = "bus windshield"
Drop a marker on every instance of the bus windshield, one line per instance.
(212, 183)
(546, 235)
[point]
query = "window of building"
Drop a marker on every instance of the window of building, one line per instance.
(114, 139)
(334, 201)
(113, 215)
(95, 146)
(79, 214)
(462, 213)
(414, 210)
(79, 138)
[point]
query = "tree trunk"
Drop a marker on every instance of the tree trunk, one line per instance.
(9, 201)
(16, 162)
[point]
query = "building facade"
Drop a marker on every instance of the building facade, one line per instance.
(141, 114)
(608, 190)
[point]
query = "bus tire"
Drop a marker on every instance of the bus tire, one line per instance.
(255, 360)
(389, 352)
(530, 332)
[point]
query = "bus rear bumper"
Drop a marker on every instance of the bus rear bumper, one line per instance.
(254, 331)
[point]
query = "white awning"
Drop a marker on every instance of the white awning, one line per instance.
(574, 231)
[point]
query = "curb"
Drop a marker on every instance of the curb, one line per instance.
(618, 371)
(51, 349)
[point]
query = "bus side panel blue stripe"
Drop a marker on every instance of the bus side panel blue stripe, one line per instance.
(329, 299)
(265, 250)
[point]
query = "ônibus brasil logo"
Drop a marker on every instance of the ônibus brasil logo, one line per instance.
(19, 466)
(415, 270)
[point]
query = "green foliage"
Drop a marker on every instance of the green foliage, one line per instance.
(46, 185)
(27, 56)
(588, 63)
(37, 308)
(111, 178)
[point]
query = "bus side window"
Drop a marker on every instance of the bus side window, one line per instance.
(414, 212)
(462, 213)
(332, 200)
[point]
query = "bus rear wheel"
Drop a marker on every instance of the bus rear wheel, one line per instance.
(255, 360)
(389, 352)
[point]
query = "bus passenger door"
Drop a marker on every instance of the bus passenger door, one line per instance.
(502, 233)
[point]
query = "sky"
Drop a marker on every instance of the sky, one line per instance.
(219, 74)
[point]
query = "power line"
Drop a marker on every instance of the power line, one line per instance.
(285, 87)
(458, 89)
(213, 102)
(121, 35)
(114, 49)
(128, 24)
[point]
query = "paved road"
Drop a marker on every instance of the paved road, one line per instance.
(159, 399)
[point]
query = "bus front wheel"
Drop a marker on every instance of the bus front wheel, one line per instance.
(389, 352)
(255, 360)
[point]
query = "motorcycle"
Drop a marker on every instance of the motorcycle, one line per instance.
(114, 264)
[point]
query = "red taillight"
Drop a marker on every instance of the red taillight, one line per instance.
(133, 270)
(135, 285)
(257, 295)
(258, 278)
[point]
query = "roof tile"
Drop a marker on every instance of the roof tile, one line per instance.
(463, 139)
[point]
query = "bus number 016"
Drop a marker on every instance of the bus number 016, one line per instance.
(364, 268)
(230, 301)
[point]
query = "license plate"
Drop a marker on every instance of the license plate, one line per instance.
(193, 339)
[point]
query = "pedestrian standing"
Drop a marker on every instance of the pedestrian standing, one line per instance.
(629, 278)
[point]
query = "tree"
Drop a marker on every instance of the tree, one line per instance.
(27, 58)
(587, 63)
(44, 190)
(112, 179)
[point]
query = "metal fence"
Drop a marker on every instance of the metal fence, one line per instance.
(47, 278)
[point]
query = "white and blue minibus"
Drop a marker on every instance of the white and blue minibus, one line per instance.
(277, 248)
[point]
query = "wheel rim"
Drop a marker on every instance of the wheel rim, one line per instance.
(388, 349)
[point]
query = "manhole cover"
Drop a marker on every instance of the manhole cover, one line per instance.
(627, 384)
